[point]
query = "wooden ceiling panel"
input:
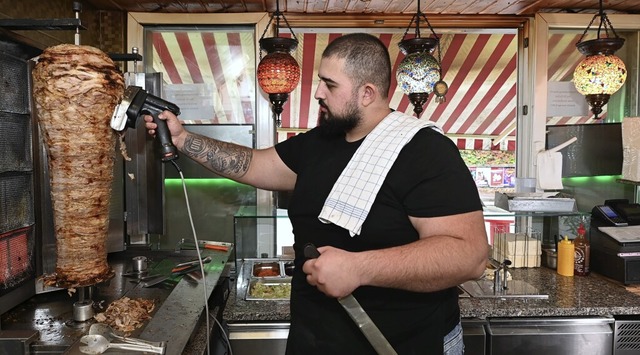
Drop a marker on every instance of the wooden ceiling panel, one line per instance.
(401, 6)
(461, 7)
(376, 6)
(291, 6)
(476, 6)
(357, 6)
(337, 5)
(316, 5)
(448, 6)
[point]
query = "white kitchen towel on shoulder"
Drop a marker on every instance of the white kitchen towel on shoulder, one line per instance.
(352, 195)
(549, 170)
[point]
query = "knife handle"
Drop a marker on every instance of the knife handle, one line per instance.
(184, 270)
(310, 251)
(168, 151)
(216, 247)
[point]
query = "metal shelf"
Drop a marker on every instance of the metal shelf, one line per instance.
(42, 24)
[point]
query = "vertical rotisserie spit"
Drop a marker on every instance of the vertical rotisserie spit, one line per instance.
(76, 89)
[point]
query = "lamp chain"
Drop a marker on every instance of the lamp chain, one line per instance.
(277, 15)
(264, 33)
(439, 59)
(604, 22)
(408, 27)
(610, 26)
(289, 27)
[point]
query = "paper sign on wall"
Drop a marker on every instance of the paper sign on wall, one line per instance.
(564, 100)
(195, 100)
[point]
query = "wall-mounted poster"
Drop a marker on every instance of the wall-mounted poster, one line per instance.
(509, 179)
(482, 177)
(497, 177)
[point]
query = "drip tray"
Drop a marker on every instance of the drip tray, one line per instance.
(515, 289)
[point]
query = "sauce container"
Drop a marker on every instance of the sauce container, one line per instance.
(566, 255)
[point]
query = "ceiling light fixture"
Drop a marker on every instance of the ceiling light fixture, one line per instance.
(601, 73)
(420, 73)
(278, 71)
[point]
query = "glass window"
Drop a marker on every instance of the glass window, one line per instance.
(209, 72)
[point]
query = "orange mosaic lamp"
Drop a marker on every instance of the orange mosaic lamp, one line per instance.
(278, 72)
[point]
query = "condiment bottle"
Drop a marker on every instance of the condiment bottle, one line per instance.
(582, 253)
(566, 256)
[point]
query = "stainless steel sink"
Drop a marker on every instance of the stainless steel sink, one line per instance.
(515, 289)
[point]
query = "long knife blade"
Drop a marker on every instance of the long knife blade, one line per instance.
(161, 279)
(367, 326)
(359, 316)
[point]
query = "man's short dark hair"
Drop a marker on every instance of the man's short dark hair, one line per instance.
(366, 59)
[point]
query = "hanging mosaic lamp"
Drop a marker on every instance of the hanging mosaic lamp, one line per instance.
(420, 73)
(601, 73)
(278, 72)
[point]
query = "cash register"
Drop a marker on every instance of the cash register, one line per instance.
(615, 240)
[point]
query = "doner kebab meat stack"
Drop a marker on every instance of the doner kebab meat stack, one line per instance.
(76, 89)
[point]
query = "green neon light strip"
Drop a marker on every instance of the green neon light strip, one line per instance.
(585, 180)
(580, 180)
(212, 182)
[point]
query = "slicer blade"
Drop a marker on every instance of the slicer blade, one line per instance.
(119, 118)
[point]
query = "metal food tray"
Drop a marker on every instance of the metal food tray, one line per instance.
(285, 282)
(269, 267)
(534, 203)
(278, 266)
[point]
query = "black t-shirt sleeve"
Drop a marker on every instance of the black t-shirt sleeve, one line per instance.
(297, 150)
(432, 179)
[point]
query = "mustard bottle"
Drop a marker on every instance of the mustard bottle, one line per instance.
(566, 257)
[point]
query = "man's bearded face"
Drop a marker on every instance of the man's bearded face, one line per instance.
(336, 124)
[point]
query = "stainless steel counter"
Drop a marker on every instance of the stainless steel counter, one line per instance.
(177, 318)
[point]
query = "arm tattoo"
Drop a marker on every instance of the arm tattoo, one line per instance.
(226, 159)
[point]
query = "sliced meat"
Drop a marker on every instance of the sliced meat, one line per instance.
(75, 90)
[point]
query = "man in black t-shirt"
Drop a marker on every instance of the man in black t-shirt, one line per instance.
(423, 235)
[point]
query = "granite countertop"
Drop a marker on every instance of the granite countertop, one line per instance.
(592, 295)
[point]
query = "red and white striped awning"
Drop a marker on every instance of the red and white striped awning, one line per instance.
(224, 60)
(480, 69)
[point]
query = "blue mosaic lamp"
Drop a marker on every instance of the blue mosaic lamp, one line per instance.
(420, 73)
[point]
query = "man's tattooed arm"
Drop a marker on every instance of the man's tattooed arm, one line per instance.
(223, 158)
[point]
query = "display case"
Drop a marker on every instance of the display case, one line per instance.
(524, 236)
(547, 223)
(261, 235)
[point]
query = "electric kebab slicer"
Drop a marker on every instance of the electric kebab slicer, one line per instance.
(136, 102)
